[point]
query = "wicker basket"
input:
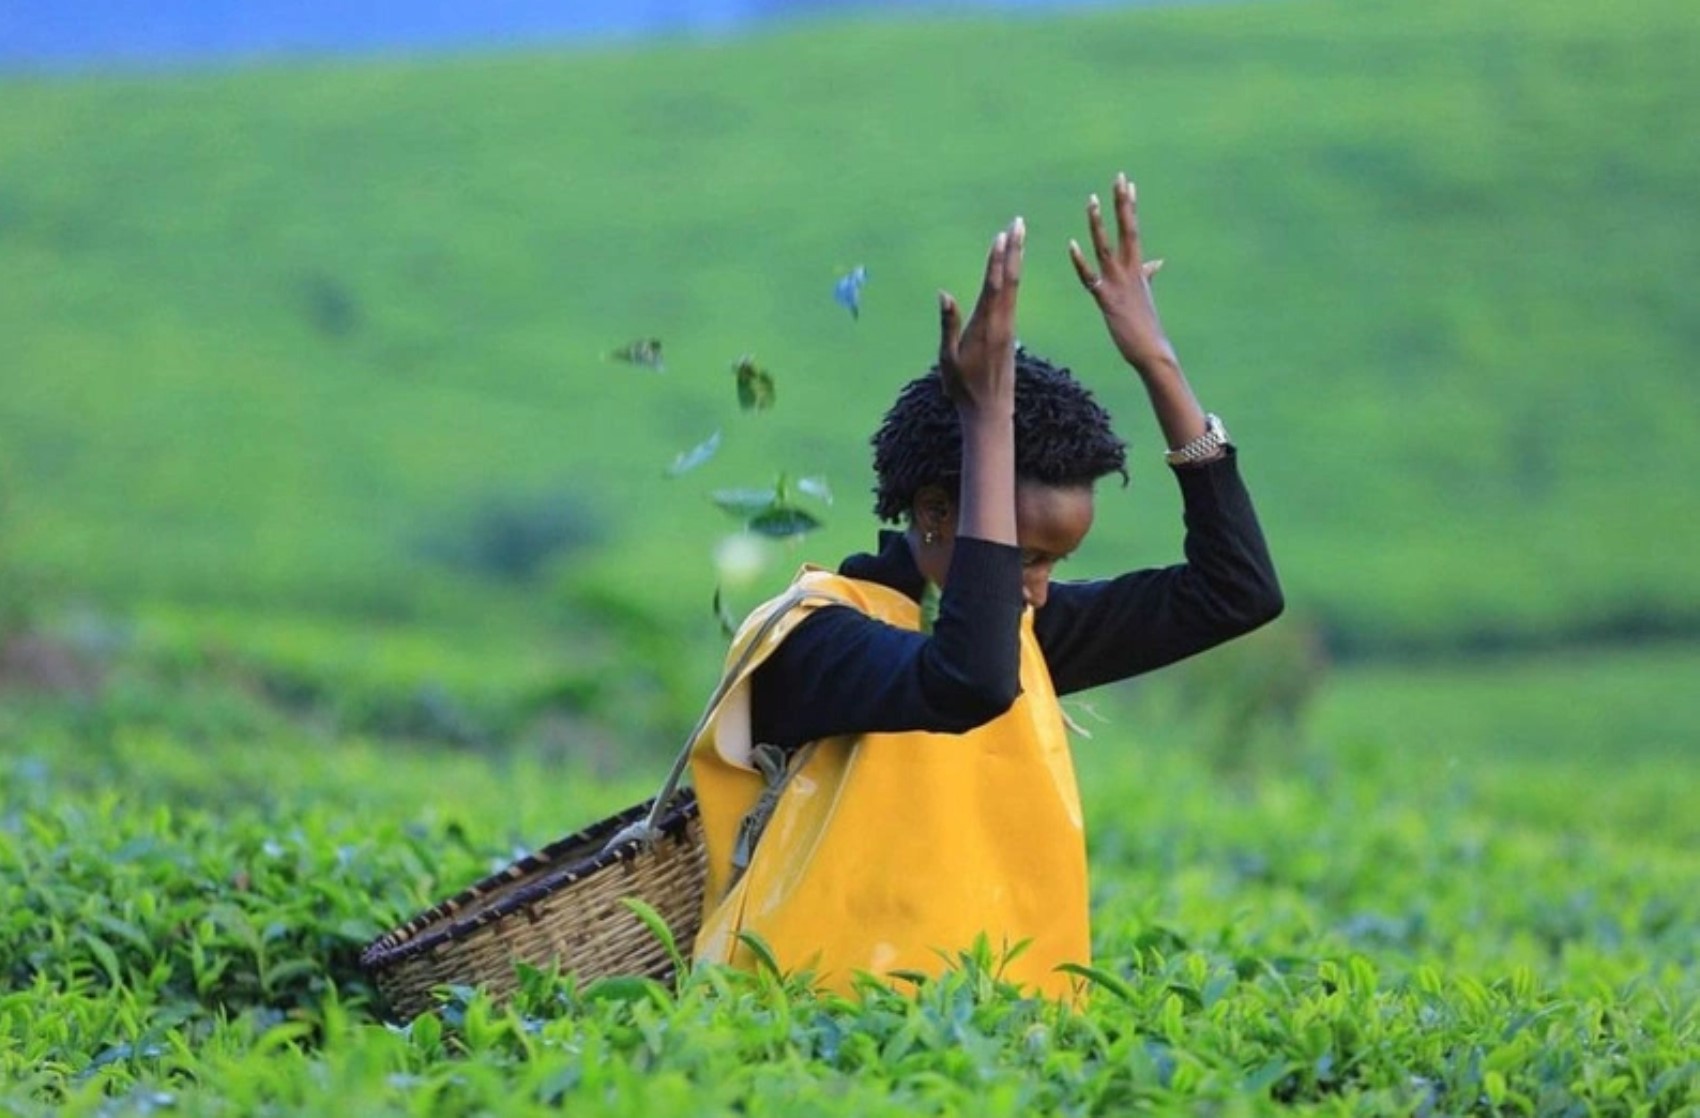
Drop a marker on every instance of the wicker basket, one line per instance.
(559, 907)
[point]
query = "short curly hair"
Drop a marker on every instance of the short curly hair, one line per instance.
(1062, 436)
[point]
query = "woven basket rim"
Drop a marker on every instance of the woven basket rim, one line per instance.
(439, 924)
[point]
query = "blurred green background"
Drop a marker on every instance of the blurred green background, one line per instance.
(307, 416)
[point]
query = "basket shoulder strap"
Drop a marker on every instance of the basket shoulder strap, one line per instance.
(647, 828)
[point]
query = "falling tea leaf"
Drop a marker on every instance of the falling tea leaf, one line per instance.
(815, 487)
(1088, 708)
(745, 503)
(847, 292)
(644, 351)
(728, 625)
(755, 384)
(782, 522)
(1072, 724)
(688, 460)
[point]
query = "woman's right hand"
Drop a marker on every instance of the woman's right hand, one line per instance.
(977, 362)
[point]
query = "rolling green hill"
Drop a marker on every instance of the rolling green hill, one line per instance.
(274, 338)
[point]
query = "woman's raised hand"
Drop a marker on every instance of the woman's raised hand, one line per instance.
(977, 362)
(1121, 283)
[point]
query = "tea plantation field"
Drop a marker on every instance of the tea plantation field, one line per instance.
(1368, 921)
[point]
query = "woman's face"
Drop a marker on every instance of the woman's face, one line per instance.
(1050, 522)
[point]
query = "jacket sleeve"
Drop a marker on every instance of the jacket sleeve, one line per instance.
(1097, 632)
(843, 672)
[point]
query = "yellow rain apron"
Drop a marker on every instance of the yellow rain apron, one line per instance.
(893, 852)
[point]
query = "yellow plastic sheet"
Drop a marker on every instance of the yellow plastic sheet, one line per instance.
(894, 852)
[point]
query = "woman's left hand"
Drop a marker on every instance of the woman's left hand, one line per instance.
(1121, 284)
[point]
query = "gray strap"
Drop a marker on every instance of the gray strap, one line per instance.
(648, 829)
(777, 770)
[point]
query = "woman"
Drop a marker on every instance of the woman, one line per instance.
(909, 778)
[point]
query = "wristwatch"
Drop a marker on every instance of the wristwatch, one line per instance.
(1215, 437)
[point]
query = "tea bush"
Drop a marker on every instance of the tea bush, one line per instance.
(1351, 930)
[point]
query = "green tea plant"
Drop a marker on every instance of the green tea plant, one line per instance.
(1363, 932)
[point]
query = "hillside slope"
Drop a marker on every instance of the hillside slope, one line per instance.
(273, 336)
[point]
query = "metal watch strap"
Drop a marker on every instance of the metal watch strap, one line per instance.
(1215, 437)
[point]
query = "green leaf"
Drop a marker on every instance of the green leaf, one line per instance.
(1218, 986)
(125, 931)
(105, 956)
(426, 1032)
(929, 607)
(728, 623)
(626, 988)
(1265, 1077)
(781, 522)
(273, 977)
(765, 957)
(688, 460)
(644, 351)
(755, 384)
(657, 925)
(452, 1002)
(284, 1036)
(1012, 953)
(745, 503)
(1188, 994)
(1103, 979)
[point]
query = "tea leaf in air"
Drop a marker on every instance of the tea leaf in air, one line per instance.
(728, 624)
(644, 351)
(1074, 727)
(847, 292)
(745, 503)
(755, 384)
(783, 522)
(817, 488)
(688, 460)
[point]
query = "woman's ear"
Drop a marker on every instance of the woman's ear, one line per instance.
(934, 513)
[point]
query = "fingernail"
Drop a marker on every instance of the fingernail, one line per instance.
(1020, 228)
(1092, 201)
